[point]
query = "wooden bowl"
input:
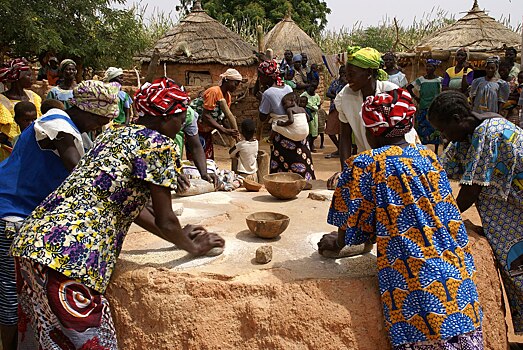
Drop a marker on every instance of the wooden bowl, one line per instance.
(284, 185)
(266, 224)
(251, 186)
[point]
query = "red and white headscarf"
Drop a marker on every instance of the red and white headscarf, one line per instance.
(160, 98)
(11, 71)
(270, 69)
(389, 114)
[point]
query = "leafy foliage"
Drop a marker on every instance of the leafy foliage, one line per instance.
(310, 15)
(92, 32)
(388, 35)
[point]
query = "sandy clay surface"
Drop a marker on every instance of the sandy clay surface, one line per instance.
(162, 298)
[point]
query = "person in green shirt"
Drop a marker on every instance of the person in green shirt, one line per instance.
(313, 105)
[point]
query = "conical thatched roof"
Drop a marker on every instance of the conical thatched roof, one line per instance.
(287, 35)
(477, 31)
(199, 39)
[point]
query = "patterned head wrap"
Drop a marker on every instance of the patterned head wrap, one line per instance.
(65, 63)
(111, 73)
(493, 59)
(366, 58)
(96, 97)
(160, 98)
(230, 74)
(389, 114)
(434, 62)
(270, 69)
(11, 71)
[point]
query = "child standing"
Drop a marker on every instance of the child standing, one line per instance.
(429, 87)
(25, 114)
(247, 151)
(288, 79)
(313, 105)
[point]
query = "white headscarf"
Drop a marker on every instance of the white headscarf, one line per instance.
(230, 74)
(111, 73)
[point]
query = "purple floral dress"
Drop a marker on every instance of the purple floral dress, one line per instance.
(78, 230)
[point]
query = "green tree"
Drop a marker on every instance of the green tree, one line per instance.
(92, 32)
(310, 15)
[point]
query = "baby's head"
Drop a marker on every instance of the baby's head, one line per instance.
(303, 101)
(315, 67)
(248, 129)
(289, 100)
(50, 104)
(25, 114)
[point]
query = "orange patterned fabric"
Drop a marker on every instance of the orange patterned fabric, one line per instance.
(401, 199)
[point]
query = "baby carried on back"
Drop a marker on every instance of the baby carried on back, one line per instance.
(294, 125)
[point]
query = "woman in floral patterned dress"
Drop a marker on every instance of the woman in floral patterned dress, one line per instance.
(67, 248)
(486, 156)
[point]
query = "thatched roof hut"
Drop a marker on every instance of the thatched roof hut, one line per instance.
(482, 34)
(196, 51)
(287, 35)
(200, 39)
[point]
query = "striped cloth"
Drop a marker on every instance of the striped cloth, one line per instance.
(8, 299)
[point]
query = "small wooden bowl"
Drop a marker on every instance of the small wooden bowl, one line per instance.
(284, 185)
(267, 224)
(251, 186)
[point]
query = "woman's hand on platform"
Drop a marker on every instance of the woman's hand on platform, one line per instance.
(212, 178)
(332, 182)
(203, 240)
(329, 242)
(183, 183)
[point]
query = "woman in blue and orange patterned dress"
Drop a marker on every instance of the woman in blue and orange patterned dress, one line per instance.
(486, 156)
(398, 195)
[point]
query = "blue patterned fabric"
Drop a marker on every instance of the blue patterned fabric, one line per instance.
(493, 159)
(401, 199)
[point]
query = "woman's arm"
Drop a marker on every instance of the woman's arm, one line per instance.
(64, 144)
(345, 142)
(410, 89)
(467, 196)
(194, 239)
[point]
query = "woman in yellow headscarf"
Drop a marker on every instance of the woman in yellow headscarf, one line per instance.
(364, 78)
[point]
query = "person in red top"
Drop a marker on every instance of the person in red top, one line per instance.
(214, 113)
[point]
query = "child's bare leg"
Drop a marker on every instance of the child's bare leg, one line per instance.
(322, 140)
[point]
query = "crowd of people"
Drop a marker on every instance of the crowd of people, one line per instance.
(70, 187)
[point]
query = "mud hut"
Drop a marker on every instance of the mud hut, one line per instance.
(480, 33)
(197, 50)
